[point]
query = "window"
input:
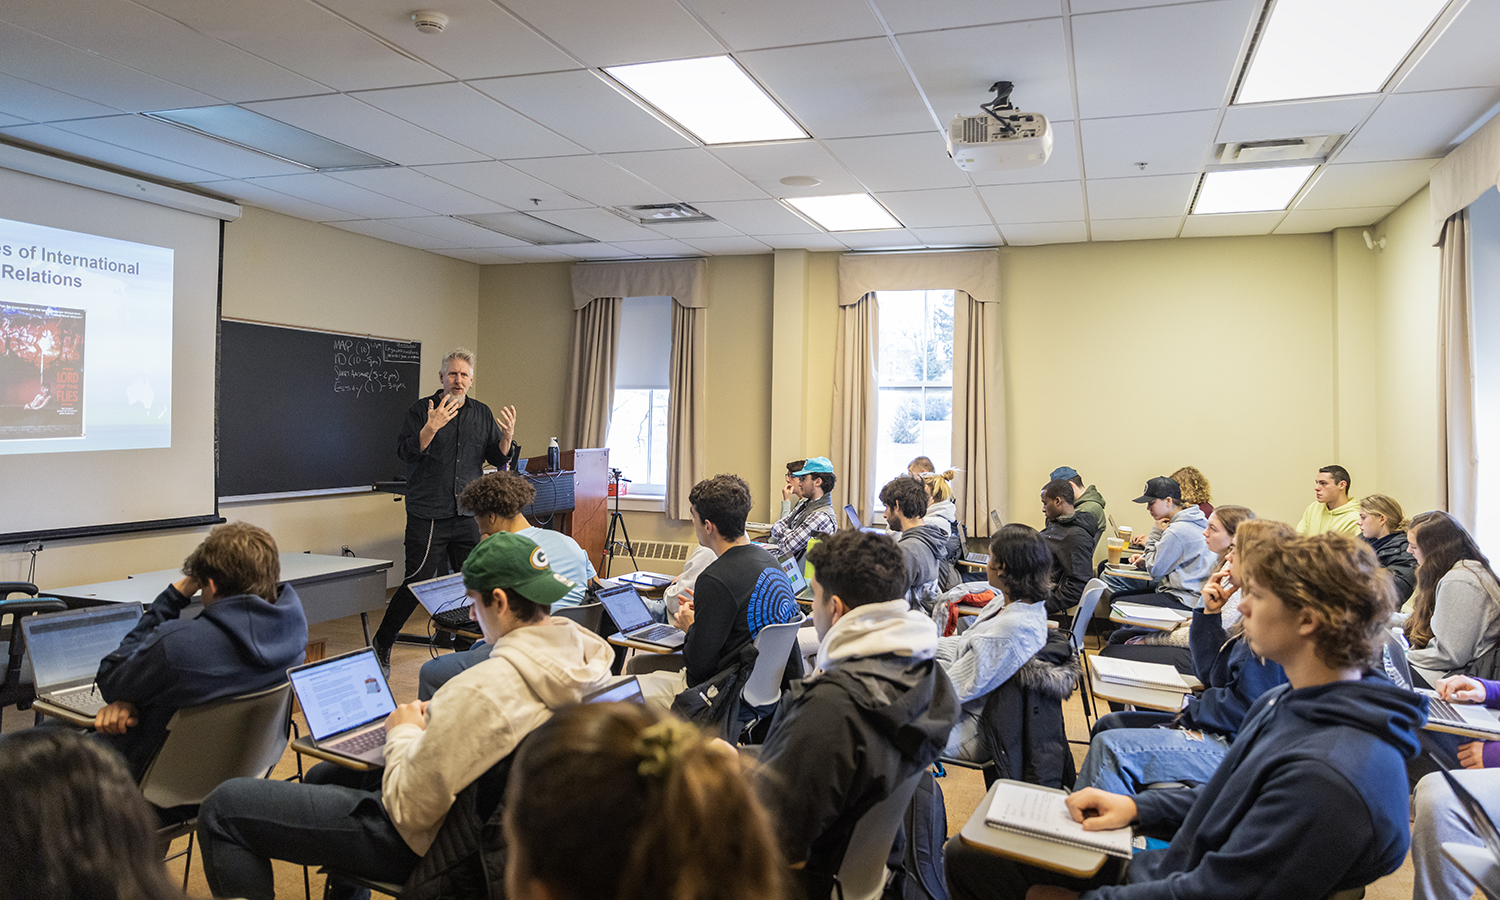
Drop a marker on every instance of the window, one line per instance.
(914, 416)
(638, 420)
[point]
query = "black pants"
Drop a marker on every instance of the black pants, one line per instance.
(433, 547)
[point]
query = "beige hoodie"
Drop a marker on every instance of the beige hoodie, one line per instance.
(480, 715)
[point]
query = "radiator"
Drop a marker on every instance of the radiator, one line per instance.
(666, 557)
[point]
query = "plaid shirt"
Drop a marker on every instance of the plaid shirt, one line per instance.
(791, 534)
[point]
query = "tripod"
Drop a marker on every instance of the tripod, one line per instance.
(615, 519)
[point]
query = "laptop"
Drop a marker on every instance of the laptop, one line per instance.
(445, 599)
(66, 647)
(626, 691)
(346, 700)
(647, 580)
(1460, 715)
(634, 621)
(853, 515)
(800, 588)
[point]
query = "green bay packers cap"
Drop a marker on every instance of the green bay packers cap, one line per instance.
(510, 561)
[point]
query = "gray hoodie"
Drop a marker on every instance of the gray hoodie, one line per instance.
(1178, 558)
(923, 546)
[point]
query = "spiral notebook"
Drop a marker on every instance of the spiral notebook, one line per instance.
(1043, 813)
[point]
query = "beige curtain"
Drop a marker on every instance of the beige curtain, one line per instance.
(591, 381)
(687, 406)
(854, 403)
(978, 412)
(1460, 452)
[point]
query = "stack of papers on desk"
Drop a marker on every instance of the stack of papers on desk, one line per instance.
(646, 580)
(1138, 674)
(1124, 571)
(1144, 613)
(1043, 813)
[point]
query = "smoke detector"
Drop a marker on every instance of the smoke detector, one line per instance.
(429, 21)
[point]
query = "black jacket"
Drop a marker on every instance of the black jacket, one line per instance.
(1071, 540)
(842, 741)
(1022, 722)
(468, 856)
(436, 475)
(1394, 553)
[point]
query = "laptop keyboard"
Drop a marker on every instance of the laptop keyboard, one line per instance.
(1442, 709)
(654, 633)
(978, 559)
(82, 700)
(359, 743)
(455, 618)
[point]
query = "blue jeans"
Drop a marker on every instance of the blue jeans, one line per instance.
(1125, 760)
(247, 822)
(436, 671)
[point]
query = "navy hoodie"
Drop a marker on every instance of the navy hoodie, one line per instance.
(1311, 799)
(1235, 677)
(237, 645)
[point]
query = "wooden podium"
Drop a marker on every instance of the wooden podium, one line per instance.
(589, 519)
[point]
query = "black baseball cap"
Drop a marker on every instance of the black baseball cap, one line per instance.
(1160, 488)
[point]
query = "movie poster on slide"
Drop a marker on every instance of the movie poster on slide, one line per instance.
(41, 371)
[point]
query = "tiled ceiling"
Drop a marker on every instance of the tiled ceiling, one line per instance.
(507, 110)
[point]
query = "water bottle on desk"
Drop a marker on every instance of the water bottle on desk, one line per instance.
(554, 457)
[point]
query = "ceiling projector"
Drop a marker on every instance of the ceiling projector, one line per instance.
(1001, 138)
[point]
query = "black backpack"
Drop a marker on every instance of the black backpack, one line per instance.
(925, 825)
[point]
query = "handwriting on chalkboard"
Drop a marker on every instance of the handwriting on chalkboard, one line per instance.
(371, 367)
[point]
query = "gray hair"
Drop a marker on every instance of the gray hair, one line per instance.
(459, 353)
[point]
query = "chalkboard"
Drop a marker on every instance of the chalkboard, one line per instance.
(304, 410)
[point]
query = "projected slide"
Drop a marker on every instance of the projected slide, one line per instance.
(85, 342)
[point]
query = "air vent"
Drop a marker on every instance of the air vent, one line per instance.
(661, 214)
(1239, 153)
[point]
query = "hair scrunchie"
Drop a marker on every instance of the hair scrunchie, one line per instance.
(661, 745)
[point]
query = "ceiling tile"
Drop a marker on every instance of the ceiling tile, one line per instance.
(1050, 201)
(1444, 115)
(411, 186)
(926, 15)
(7, 119)
(36, 103)
(468, 117)
(681, 231)
(727, 245)
(801, 242)
(458, 233)
(660, 248)
(330, 191)
(748, 26)
(593, 179)
(1134, 229)
(395, 234)
(1295, 118)
(304, 38)
(1169, 144)
(936, 209)
(1033, 233)
(252, 194)
(878, 240)
(535, 254)
(966, 236)
(688, 175)
(766, 164)
(1161, 59)
(180, 145)
(346, 120)
(875, 95)
(1149, 196)
(609, 34)
(1226, 224)
(759, 217)
(593, 251)
(481, 40)
(503, 184)
(905, 162)
(1317, 221)
(134, 36)
(1079, 7)
(955, 68)
(1062, 165)
(1464, 56)
(598, 224)
(29, 56)
(581, 107)
(1364, 184)
(108, 154)
(482, 257)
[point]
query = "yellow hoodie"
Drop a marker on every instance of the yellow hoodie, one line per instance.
(1319, 518)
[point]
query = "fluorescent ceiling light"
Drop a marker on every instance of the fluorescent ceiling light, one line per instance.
(1250, 190)
(253, 131)
(845, 212)
(711, 97)
(1330, 48)
(527, 228)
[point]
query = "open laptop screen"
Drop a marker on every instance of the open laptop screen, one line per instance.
(438, 595)
(342, 692)
(626, 608)
(794, 573)
(66, 647)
